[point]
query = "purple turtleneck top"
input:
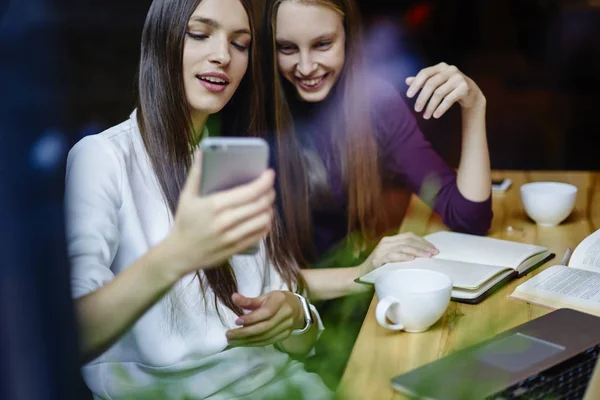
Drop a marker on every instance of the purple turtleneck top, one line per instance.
(406, 156)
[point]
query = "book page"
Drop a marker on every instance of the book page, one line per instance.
(587, 253)
(482, 250)
(464, 275)
(561, 286)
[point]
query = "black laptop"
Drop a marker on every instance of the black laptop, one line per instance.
(551, 357)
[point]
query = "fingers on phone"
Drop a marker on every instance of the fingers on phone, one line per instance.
(191, 188)
(247, 233)
(258, 208)
(247, 193)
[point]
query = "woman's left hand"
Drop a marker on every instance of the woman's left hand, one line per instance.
(271, 319)
(441, 86)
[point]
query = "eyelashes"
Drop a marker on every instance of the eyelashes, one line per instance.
(197, 36)
(201, 36)
(240, 47)
(286, 49)
(324, 44)
(291, 49)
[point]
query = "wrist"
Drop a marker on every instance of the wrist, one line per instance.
(360, 270)
(473, 120)
(155, 275)
(169, 263)
(354, 287)
(478, 106)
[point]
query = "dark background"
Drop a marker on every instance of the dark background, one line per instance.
(537, 62)
(38, 344)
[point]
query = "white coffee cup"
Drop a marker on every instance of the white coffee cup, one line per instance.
(412, 299)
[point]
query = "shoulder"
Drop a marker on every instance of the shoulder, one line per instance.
(101, 160)
(113, 142)
(391, 116)
(384, 96)
(383, 88)
(108, 150)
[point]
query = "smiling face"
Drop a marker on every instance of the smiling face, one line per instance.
(310, 47)
(215, 55)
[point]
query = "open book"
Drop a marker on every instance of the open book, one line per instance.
(576, 286)
(476, 264)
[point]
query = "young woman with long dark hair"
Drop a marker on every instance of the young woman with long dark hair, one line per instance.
(166, 307)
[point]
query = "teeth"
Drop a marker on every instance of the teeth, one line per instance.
(311, 82)
(213, 79)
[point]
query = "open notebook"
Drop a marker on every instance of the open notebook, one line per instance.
(476, 264)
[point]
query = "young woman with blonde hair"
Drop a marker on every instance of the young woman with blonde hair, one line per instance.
(339, 134)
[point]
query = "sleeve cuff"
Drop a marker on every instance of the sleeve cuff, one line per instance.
(461, 214)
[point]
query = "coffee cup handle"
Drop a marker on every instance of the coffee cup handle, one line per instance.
(383, 306)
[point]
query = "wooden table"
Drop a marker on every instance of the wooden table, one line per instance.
(379, 354)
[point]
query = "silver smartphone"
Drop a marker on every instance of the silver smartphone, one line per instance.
(228, 162)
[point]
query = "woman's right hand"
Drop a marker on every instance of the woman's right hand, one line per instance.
(208, 230)
(401, 247)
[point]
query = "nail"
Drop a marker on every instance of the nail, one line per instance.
(418, 107)
(410, 93)
(239, 321)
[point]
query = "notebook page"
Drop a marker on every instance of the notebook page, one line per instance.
(464, 275)
(482, 250)
(467, 294)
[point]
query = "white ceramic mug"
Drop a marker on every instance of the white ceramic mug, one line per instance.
(412, 299)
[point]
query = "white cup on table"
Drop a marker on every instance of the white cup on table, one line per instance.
(548, 203)
(411, 299)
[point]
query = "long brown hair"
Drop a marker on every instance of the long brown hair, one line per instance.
(165, 122)
(353, 135)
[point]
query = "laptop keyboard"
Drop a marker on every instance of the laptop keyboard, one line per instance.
(567, 380)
